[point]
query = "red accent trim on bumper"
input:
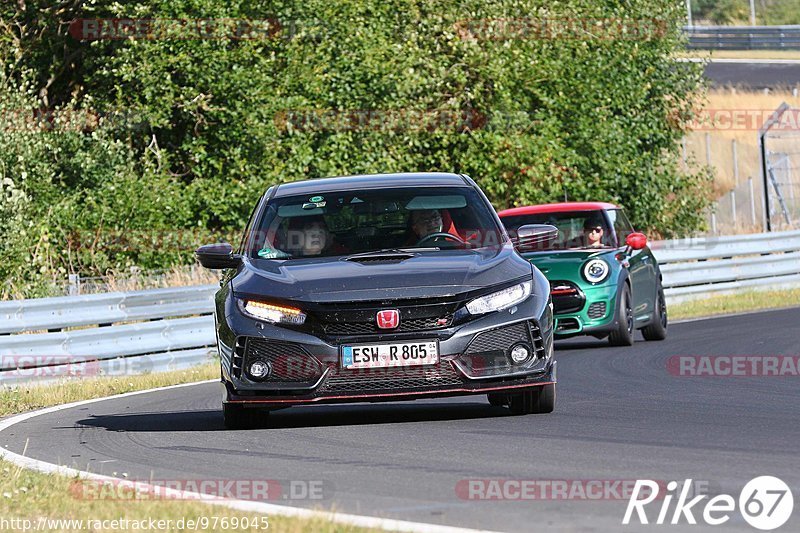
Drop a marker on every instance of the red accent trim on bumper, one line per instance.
(367, 397)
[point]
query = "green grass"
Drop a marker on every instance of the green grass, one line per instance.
(735, 303)
(26, 494)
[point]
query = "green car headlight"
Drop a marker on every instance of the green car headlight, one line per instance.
(500, 299)
(596, 270)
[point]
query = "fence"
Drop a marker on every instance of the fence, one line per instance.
(156, 330)
(780, 169)
(105, 334)
(743, 37)
(756, 167)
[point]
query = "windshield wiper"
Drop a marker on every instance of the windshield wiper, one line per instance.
(390, 253)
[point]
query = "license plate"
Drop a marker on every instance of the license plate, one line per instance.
(390, 355)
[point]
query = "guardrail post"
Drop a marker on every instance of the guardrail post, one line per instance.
(74, 284)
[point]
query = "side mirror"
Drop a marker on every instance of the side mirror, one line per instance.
(636, 241)
(218, 256)
(532, 237)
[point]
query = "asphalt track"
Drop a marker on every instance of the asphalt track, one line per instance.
(620, 415)
(754, 74)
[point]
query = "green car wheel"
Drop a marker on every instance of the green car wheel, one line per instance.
(623, 335)
(657, 331)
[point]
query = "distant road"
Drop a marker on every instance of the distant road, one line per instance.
(754, 73)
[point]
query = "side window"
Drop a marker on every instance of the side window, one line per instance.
(622, 226)
(247, 230)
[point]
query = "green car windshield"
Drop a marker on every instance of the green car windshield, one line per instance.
(377, 220)
(576, 229)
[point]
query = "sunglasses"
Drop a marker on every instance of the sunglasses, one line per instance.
(598, 229)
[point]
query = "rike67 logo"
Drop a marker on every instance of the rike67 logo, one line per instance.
(765, 503)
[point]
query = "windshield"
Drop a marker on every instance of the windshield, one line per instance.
(576, 229)
(378, 220)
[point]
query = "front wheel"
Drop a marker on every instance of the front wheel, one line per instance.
(657, 331)
(623, 335)
(536, 401)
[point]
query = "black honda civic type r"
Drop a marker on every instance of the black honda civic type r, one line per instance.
(381, 288)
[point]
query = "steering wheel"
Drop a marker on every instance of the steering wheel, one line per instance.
(440, 234)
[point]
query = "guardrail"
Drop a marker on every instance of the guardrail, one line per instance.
(156, 330)
(105, 334)
(694, 268)
(743, 37)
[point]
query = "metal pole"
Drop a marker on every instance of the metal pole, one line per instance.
(733, 206)
(714, 222)
(735, 163)
(763, 149)
(74, 284)
(689, 12)
(752, 12)
(708, 149)
(752, 201)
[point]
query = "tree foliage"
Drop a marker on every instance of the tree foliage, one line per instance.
(538, 101)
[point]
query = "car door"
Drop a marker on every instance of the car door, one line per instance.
(642, 267)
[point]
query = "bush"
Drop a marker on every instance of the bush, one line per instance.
(348, 87)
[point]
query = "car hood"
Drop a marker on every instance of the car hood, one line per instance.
(565, 264)
(426, 275)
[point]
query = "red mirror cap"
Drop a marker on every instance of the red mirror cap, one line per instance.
(637, 241)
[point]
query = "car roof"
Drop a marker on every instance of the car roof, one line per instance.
(556, 208)
(370, 181)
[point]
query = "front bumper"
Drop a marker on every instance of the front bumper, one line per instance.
(596, 317)
(306, 368)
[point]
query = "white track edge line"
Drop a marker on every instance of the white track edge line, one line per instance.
(387, 524)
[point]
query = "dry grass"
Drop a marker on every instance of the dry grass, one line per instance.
(742, 54)
(27, 397)
(736, 303)
(135, 281)
(721, 135)
(25, 494)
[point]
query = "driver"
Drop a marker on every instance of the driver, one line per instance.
(426, 222)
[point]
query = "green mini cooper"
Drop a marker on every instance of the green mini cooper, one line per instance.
(604, 280)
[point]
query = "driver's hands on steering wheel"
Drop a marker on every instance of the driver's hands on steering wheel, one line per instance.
(440, 235)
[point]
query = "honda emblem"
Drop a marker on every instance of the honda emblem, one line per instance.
(388, 319)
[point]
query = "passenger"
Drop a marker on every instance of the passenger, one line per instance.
(310, 237)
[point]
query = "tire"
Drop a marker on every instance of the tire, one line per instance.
(497, 399)
(540, 400)
(623, 335)
(657, 331)
(237, 417)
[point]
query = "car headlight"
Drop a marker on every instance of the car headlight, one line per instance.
(272, 313)
(500, 299)
(596, 270)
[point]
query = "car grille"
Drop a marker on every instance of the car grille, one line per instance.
(597, 310)
(290, 363)
(389, 380)
(413, 324)
(567, 297)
